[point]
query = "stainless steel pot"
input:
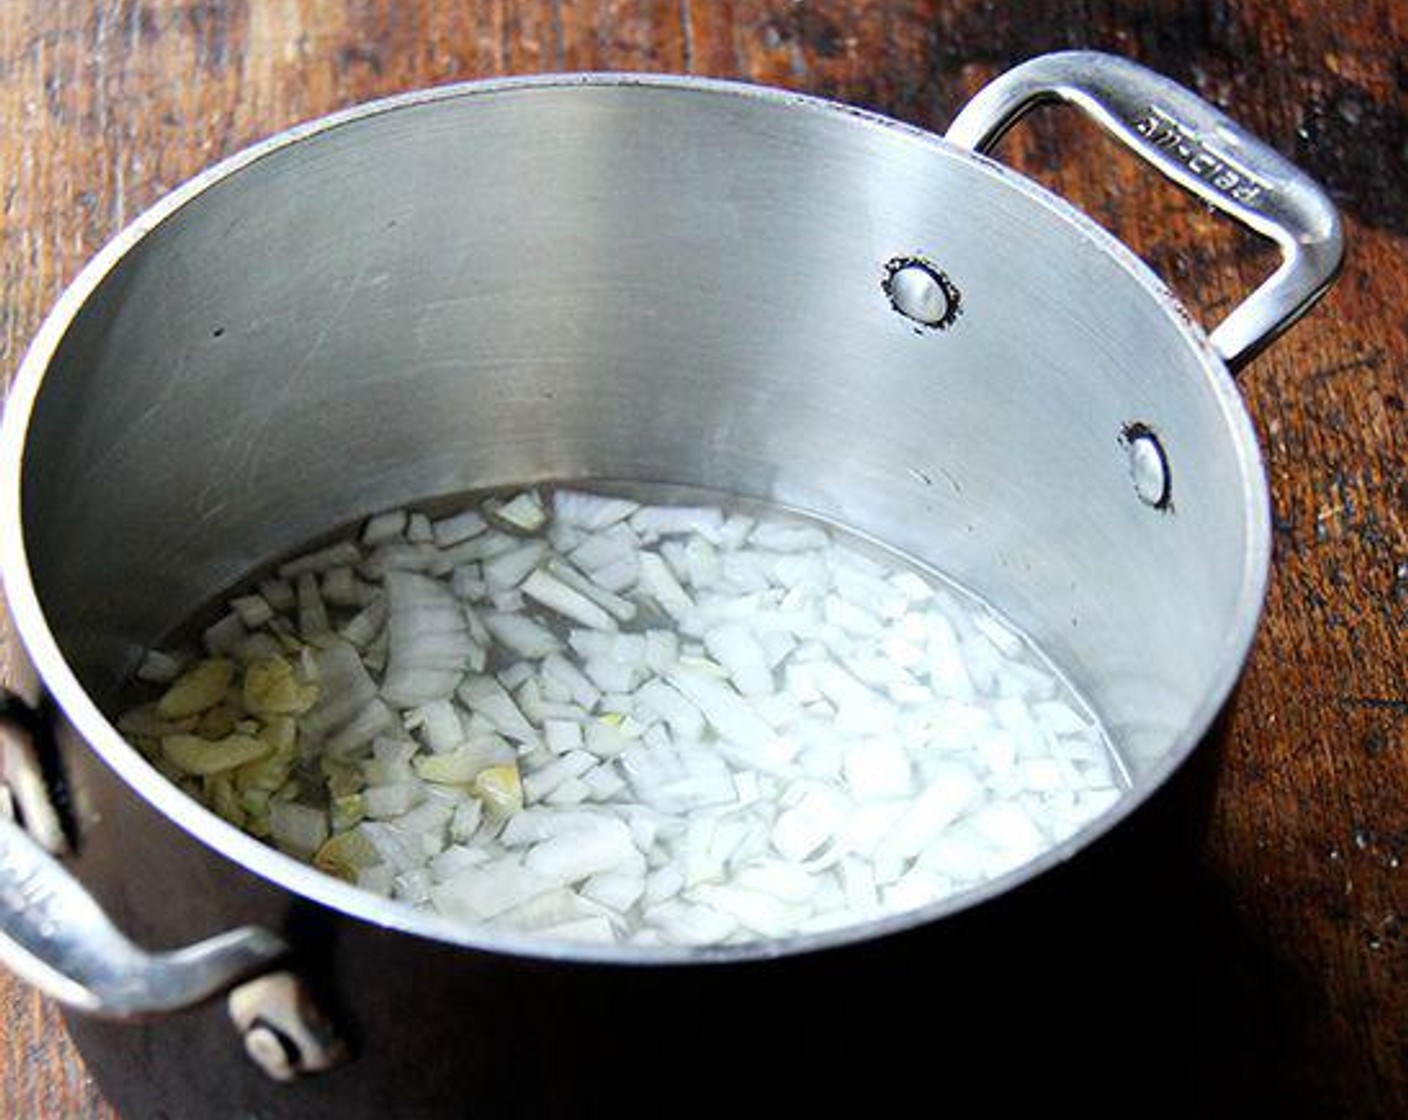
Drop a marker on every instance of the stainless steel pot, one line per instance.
(617, 277)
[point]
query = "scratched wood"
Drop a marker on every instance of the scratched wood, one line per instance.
(107, 105)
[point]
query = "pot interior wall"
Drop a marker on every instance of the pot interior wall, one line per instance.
(643, 283)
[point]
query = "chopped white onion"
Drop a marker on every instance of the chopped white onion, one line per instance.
(571, 604)
(223, 638)
(591, 512)
(160, 667)
(523, 511)
(384, 527)
(298, 829)
(523, 635)
(657, 581)
(596, 720)
(339, 555)
(486, 697)
(458, 527)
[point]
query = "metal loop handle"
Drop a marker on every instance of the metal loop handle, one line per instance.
(1200, 149)
(55, 936)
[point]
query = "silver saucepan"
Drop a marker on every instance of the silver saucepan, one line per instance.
(620, 277)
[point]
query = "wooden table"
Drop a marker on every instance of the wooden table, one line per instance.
(107, 105)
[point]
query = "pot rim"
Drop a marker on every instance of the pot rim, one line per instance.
(302, 879)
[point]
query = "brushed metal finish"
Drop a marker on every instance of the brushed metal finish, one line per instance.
(1203, 151)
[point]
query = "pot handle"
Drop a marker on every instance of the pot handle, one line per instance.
(1200, 149)
(55, 936)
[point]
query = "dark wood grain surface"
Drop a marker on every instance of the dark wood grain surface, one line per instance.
(106, 105)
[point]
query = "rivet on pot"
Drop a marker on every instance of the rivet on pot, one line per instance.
(272, 1052)
(285, 1033)
(1148, 466)
(920, 291)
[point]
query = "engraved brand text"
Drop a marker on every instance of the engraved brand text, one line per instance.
(1211, 166)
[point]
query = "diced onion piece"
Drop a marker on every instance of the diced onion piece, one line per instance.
(298, 829)
(657, 581)
(482, 547)
(339, 555)
(500, 788)
(430, 647)
(616, 545)
(486, 697)
(877, 769)
(618, 575)
(258, 647)
(480, 893)
(467, 818)
(667, 702)
(375, 718)
(312, 612)
(782, 536)
(557, 596)
(573, 791)
(362, 627)
(573, 680)
(457, 527)
(253, 610)
(617, 890)
(591, 512)
(562, 735)
(727, 712)
(439, 725)
(160, 667)
(764, 914)
(602, 782)
(603, 739)
(735, 647)
(536, 824)
(803, 828)
(278, 593)
(341, 588)
(466, 762)
(952, 789)
(621, 609)
(384, 527)
(575, 855)
(521, 634)
(543, 781)
(661, 521)
(454, 859)
(523, 512)
(507, 570)
(223, 638)
(397, 799)
(690, 924)
(344, 688)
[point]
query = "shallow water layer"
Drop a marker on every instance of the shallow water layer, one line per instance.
(638, 714)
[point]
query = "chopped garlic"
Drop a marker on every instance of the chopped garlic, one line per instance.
(194, 755)
(198, 688)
